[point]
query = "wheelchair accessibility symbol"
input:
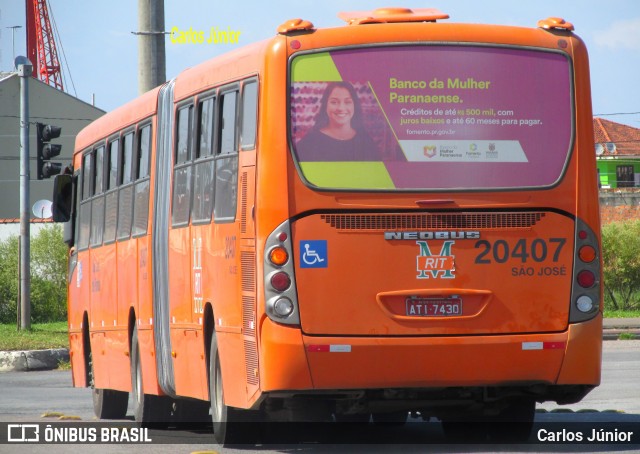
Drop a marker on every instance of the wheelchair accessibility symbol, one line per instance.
(313, 254)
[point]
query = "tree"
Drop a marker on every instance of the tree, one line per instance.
(621, 264)
(48, 276)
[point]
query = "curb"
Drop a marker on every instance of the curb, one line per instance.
(32, 360)
(614, 334)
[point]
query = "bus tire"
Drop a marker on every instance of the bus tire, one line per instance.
(107, 403)
(228, 427)
(110, 404)
(149, 410)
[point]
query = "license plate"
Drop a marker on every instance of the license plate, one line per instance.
(434, 307)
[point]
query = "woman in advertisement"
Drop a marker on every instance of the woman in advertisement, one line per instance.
(338, 133)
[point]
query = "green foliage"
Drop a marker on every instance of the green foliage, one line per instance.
(621, 265)
(48, 277)
(42, 336)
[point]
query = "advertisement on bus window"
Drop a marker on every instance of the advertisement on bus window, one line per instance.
(431, 117)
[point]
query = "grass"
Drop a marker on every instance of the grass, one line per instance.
(621, 314)
(42, 336)
(627, 336)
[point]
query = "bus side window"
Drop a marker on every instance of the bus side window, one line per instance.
(85, 201)
(125, 195)
(203, 188)
(182, 168)
(249, 115)
(141, 204)
(97, 203)
(111, 197)
(227, 159)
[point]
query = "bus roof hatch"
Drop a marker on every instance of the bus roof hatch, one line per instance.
(295, 25)
(555, 22)
(386, 15)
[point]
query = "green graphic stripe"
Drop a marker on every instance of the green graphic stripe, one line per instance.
(315, 68)
(348, 175)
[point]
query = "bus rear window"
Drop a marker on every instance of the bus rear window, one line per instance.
(431, 117)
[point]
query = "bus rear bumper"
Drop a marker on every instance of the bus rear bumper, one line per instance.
(572, 357)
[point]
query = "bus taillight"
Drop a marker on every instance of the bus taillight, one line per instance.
(278, 255)
(587, 254)
(585, 297)
(281, 298)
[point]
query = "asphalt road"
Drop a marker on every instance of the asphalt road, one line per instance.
(613, 407)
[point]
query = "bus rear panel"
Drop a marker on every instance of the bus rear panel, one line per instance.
(456, 256)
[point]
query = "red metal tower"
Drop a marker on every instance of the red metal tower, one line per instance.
(41, 45)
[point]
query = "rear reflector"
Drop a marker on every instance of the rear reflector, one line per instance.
(586, 279)
(543, 345)
(325, 348)
(280, 281)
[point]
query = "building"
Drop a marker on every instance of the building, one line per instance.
(46, 105)
(617, 153)
(618, 157)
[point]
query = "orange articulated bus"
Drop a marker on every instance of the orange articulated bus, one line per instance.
(399, 215)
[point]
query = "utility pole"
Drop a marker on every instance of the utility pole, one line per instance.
(25, 69)
(151, 54)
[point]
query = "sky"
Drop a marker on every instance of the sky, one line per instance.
(101, 52)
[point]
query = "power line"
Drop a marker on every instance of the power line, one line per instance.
(50, 118)
(615, 113)
(64, 56)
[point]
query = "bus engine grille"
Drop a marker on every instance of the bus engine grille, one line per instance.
(476, 221)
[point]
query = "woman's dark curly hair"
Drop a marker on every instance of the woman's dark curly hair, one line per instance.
(322, 119)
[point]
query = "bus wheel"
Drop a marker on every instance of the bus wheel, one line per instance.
(110, 404)
(107, 403)
(227, 421)
(149, 410)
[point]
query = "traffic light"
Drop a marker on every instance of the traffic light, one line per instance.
(46, 150)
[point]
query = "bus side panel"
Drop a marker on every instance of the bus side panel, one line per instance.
(230, 276)
(77, 305)
(180, 302)
(148, 361)
(225, 292)
(100, 319)
(76, 353)
(144, 307)
(117, 359)
(188, 363)
(127, 279)
(104, 303)
(231, 352)
(99, 360)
